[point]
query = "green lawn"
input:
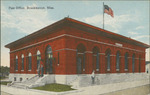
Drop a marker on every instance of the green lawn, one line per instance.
(54, 87)
(4, 82)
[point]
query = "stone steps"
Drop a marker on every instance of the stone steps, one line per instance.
(26, 84)
(19, 85)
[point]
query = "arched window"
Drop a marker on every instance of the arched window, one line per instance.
(108, 60)
(16, 60)
(30, 61)
(38, 58)
(126, 61)
(139, 64)
(133, 62)
(22, 61)
(49, 57)
(80, 58)
(96, 59)
(118, 61)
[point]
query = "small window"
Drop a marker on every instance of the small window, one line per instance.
(20, 79)
(15, 79)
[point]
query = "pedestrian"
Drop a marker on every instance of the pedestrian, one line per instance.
(93, 77)
(39, 69)
(42, 68)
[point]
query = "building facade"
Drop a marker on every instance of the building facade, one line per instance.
(73, 48)
(147, 69)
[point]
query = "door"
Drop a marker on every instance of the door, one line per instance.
(79, 65)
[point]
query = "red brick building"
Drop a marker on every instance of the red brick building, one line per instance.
(70, 47)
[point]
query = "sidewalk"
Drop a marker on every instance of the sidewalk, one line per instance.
(92, 90)
(102, 89)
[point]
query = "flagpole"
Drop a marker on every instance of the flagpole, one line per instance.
(103, 15)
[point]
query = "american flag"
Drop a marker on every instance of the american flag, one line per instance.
(108, 10)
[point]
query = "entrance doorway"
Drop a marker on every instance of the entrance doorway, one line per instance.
(49, 57)
(80, 59)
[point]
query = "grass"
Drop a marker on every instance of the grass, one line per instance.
(54, 87)
(2, 77)
(4, 82)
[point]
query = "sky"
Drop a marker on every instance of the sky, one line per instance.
(131, 19)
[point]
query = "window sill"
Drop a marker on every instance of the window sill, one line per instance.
(117, 69)
(29, 70)
(16, 70)
(22, 70)
(108, 69)
(97, 69)
(83, 69)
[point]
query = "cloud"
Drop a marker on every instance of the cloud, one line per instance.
(133, 33)
(27, 21)
(141, 36)
(113, 24)
(139, 27)
(23, 21)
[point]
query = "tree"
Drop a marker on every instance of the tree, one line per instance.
(4, 70)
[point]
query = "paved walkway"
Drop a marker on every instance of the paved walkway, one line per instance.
(4, 93)
(92, 90)
(141, 90)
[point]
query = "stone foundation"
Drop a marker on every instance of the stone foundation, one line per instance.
(83, 80)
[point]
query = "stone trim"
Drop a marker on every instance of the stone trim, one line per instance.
(73, 37)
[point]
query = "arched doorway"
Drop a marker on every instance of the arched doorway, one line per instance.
(80, 59)
(49, 57)
(95, 59)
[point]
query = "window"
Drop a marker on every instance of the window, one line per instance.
(15, 79)
(108, 59)
(139, 64)
(133, 62)
(30, 61)
(147, 71)
(38, 58)
(16, 68)
(20, 79)
(96, 58)
(117, 61)
(58, 58)
(97, 61)
(126, 61)
(22, 67)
